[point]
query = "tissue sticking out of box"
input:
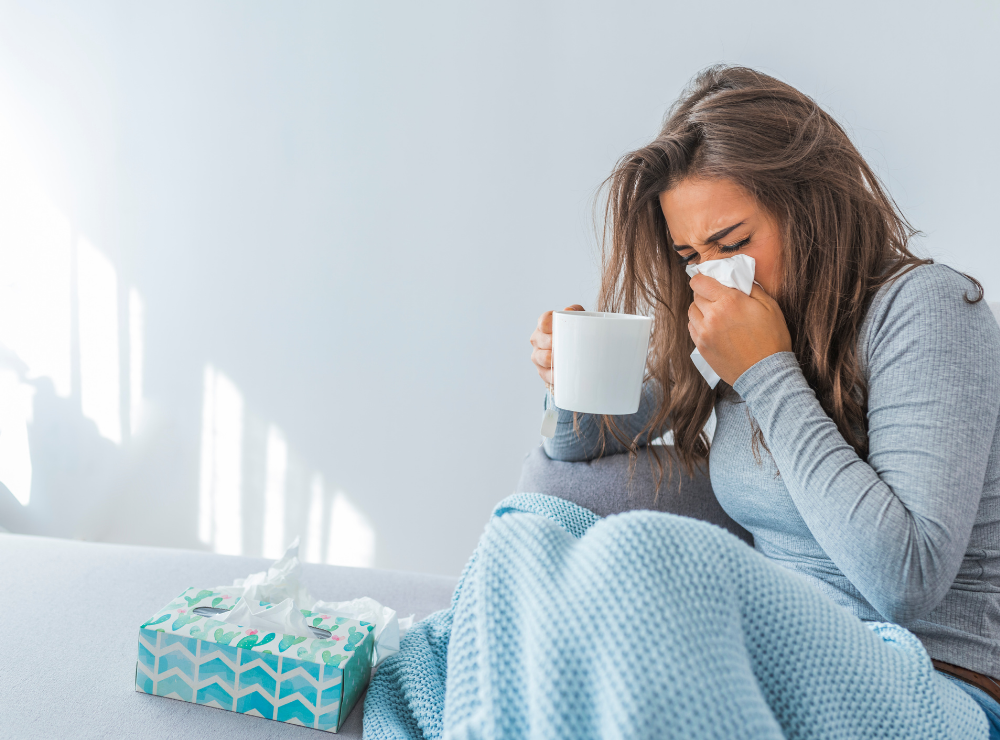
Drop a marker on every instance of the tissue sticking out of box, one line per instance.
(273, 600)
(281, 581)
(733, 272)
(284, 617)
(388, 629)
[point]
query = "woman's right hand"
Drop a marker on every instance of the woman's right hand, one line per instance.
(541, 342)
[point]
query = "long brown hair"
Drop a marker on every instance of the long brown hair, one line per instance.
(843, 238)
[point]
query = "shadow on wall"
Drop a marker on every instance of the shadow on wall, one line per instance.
(85, 454)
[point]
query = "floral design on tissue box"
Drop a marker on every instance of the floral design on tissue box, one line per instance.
(178, 618)
(300, 680)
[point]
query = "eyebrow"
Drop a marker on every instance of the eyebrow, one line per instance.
(720, 234)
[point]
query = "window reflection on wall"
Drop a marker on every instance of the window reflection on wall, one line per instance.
(290, 503)
(136, 325)
(35, 280)
(317, 509)
(219, 510)
(351, 538)
(97, 300)
(274, 493)
(59, 321)
(72, 363)
(15, 416)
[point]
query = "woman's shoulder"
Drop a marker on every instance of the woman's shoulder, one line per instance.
(927, 283)
(926, 300)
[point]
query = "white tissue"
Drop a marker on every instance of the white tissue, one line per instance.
(733, 272)
(284, 617)
(281, 581)
(404, 625)
(282, 588)
(388, 629)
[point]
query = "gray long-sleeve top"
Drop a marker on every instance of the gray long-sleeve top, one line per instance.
(910, 535)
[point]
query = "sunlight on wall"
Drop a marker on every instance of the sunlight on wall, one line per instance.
(314, 532)
(35, 275)
(336, 531)
(37, 314)
(15, 416)
(274, 493)
(220, 517)
(136, 349)
(97, 296)
(206, 488)
(351, 537)
(35, 244)
(60, 319)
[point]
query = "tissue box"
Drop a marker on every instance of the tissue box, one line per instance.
(300, 680)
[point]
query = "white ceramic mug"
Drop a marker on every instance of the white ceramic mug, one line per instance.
(599, 360)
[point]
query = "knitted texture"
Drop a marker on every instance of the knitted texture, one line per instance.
(648, 624)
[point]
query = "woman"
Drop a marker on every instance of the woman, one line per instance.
(857, 432)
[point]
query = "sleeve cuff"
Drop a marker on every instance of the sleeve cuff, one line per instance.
(564, 415)
(762, 376)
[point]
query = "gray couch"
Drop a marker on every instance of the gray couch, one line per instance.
(75, 676)
(69, 624)
(606, 486)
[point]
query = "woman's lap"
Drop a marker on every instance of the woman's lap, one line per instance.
(652, 625)
(990, 705)
(794, 634)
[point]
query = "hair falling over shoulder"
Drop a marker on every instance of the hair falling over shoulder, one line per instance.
(843, 238)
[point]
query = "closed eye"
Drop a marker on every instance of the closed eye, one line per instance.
(727, 248)
(685, 258)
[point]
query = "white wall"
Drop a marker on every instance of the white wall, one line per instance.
(347, 217)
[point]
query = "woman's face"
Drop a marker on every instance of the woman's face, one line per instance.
(715, 219)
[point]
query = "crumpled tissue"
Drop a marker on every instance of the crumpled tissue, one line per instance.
(388, 627)
(284, 594)
(733, 272)
(284, 617)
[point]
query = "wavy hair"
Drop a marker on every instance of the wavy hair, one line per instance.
(843, 238)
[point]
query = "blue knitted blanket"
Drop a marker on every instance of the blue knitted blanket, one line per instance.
(648, 625)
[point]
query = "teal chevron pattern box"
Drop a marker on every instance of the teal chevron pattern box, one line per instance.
(301, 680)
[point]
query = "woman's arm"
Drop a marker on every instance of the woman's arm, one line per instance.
(568, 446)
(898, 524)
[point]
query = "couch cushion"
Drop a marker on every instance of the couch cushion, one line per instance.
(604, 487)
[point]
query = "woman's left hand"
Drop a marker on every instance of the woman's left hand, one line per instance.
(732, 330)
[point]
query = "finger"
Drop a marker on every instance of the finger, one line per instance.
(542, 358)
(701, 302)
(545, 320)
(541, 340)
(760, 294)
(694, 334)
(546, 376)
(708, 287)
(695, 317)
(695, 314)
